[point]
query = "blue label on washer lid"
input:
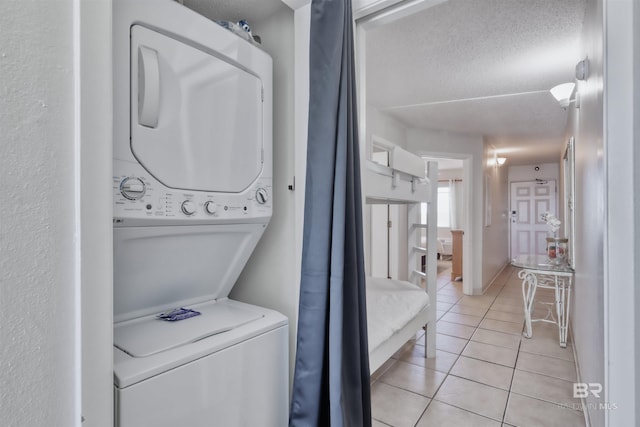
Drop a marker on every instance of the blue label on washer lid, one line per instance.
(178, 314)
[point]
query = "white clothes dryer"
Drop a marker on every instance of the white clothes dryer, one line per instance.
(192, 186)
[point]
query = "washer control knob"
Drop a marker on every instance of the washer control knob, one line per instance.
(188, 207)
(210, 207)
(262, 196)
(132, 188)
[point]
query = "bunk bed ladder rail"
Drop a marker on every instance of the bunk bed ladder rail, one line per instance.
(416, 252)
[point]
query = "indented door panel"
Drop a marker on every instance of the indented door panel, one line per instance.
(542, 191)
(542, 206)
(523, 240)
(523, 211)
(196, 119)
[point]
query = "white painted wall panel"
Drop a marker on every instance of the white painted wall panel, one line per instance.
(96, 207)
(588, 298)
(384, 126)
(622, 55)
(269, 279)
(495, 244)
(547, 171)
(38, 356)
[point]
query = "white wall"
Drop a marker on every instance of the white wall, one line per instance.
(547, 171)
(622, 53)
(470, 149)
(495, 245)
(384, 126)
(588, 309)
(39, 357)
(269, 279)
(636, 211)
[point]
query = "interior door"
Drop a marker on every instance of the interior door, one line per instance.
(529, 200)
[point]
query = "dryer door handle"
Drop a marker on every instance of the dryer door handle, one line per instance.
(148, 87)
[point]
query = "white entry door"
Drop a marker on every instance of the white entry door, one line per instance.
(529, 200)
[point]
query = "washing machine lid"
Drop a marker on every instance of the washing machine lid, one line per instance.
(164, 267)
(149, 335)
(196, 118)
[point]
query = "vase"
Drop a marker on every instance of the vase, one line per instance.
(557, 248)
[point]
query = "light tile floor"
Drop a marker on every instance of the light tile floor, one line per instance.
(484, 373)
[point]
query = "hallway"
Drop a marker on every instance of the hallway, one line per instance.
(485, 373)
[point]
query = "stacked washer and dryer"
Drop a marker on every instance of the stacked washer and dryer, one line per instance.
(192, 180)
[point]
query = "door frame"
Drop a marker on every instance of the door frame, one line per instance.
(379, 15)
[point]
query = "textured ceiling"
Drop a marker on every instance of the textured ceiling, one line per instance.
(481, 67)
(235, 10)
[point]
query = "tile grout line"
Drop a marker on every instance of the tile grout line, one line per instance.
(456, 361)
(452, 365)
(506, 405)
(504, 413)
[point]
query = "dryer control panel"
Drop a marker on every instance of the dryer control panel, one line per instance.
(139, 196)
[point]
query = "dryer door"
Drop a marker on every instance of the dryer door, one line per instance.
(196, 119)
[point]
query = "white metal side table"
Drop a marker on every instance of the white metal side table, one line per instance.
(538, 272)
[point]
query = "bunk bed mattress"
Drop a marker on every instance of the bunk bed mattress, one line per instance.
(391, 305)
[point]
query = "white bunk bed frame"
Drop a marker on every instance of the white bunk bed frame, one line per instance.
(404, 182)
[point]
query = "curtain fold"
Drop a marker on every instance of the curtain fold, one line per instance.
(331, 381)
(453, 211)
(455, 205)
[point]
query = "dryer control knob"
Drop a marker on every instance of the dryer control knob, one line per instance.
(262, 196)
(210, 207)
(132, 188)
(188, 207)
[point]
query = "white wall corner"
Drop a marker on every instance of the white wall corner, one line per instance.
(95, 206)
(302, 28)
(620, 361)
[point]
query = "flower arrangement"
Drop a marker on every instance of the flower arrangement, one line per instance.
(553, 222)
(556, 247)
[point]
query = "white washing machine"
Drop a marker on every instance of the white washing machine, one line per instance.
(192, 187)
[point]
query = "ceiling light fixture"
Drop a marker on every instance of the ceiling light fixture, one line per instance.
(562, 93)
(500, 160)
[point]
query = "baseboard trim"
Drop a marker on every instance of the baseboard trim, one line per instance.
(583, 401)
(495, 277)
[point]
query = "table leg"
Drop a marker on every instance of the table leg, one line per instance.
(529, 285)
(563, 301)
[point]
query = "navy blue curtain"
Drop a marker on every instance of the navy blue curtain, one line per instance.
(331, 382)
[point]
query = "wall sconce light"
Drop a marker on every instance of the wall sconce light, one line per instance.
(496, 162)
(582, 69)
(562, 93)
